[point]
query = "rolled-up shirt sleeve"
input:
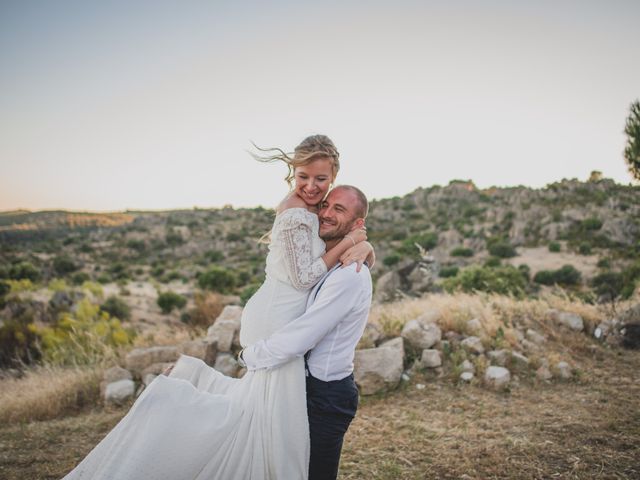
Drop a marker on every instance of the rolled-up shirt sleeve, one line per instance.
(333, 304)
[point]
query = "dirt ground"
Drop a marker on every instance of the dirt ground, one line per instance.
(587, 428)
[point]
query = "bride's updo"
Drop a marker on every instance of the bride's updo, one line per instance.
(310, 149)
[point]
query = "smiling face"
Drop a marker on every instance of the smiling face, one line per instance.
(338, 214)
(312, 181)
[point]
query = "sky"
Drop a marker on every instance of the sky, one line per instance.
(114, 105)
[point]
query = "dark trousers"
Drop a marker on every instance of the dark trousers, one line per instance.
(331, 406)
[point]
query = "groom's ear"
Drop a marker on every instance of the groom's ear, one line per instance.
(358, 223)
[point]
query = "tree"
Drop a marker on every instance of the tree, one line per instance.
(632, 149)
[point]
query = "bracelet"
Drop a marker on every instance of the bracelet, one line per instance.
(354, 242)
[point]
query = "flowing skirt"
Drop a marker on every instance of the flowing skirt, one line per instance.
(199, 424)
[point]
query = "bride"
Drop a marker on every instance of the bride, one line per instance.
(196, 423)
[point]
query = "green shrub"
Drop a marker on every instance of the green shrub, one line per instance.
(4, 288)
(493, 262)
(63, 264)
(502, 249)
(87, 336)
(462, 252)
(24, 271)
(554, 247)
(174, 239)
(584, 248)
(218, 279)
(604, 263)
(79, 278)
(567, 275)
(18, 342)
(391, 260)
(116, 308)
(138, 245)
(608, 284)
(506, 280)
(167, 301)
(446, 272)
(214, 256)
(426, 240)
(592, 224)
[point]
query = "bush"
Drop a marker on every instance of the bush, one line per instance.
(447, 272)
(492, 262)
(174, 239)
(566, 276)
(427, 240)
(391, 260)
(208, 306)
(462, 252)
(63, 264)
(608, 284)
(87, 336)
(214, 256)
(138, 245)
(116, 307)
(506, 280)
(604, 263)
(584, 248)
(79, 278)
(592, 224)
(218, 279)
(18, 342)
(554, 247)
(167, 301)
(502, 249)
(24, 271)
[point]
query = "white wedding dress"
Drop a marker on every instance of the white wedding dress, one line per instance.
(199, 424)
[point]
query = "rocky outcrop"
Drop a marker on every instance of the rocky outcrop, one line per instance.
(378, 369)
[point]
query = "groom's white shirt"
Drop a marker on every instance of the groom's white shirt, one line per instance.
(336, 315)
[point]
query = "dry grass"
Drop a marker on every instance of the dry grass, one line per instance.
(584, 429)
(48, 392)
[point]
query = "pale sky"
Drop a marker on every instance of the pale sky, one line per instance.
(117, 105)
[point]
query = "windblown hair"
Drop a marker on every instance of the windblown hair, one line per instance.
(310, 149)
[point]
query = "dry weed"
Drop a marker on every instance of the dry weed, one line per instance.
(48, 392)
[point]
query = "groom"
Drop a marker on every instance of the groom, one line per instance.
(327, 335)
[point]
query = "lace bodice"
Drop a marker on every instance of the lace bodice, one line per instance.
(296, 249)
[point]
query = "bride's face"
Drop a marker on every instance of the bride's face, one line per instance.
(312, 181)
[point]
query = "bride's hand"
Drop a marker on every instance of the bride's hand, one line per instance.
(167, 370)
(359, 253)
(357, 235)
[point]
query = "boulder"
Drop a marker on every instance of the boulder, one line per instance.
(396, 343)
(421, 335)
(378, 369)
(519, 361)
(466, 376)
(530, 347)
(140, 358)
(474, 326)
(370, 337)
(497, 377)
(387, 287)
(498, 357)
(116, 373)
(535, 337)
(543, 373)
(564, 370)
(155, 369)
(473, 345)
(430, 358)
(570, 320)
(202, 348)
(225, 330)
(227, 365)
(120, 391)
(467, 366)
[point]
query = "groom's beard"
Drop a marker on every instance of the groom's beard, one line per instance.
(337, 234)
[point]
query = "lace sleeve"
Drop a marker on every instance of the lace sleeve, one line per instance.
(303, 270)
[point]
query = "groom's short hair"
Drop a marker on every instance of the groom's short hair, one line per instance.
(362, 208)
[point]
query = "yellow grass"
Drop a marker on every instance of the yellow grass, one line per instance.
(48, 392)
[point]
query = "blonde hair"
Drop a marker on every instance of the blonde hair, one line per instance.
(310, 149)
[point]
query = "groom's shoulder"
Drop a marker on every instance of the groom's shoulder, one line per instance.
(350, 275)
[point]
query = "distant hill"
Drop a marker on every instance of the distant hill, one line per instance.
(594, 225)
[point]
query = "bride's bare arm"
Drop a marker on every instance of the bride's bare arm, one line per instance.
(352, 240)
(360, 253)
